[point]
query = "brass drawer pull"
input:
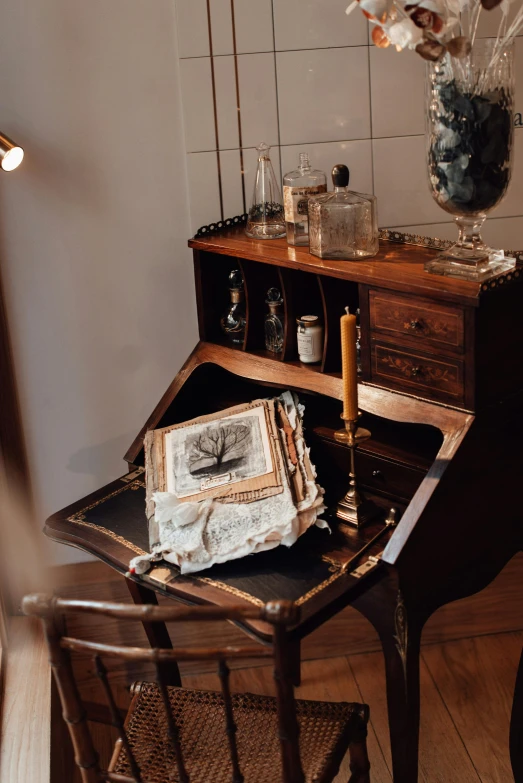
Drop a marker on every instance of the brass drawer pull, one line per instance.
(416, 372)
(415, 325)
(377, 474)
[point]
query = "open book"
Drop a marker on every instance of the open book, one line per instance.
(229, 484)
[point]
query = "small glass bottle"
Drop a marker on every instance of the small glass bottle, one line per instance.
(298, 187)
(310, 339)
(274, 322)
(233, 320)
(266, 217)
(343, 224)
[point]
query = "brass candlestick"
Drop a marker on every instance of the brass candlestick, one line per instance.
(354, 509)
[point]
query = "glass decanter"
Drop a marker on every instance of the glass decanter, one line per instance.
(266, 216)
(298, 187)
(274, 321)
(343, 224)
(233, 320)
(470, 106)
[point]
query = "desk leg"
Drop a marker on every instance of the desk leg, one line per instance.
(516, 727)
(400, 635)
(157, 633)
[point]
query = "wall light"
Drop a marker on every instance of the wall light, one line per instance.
(11, 155)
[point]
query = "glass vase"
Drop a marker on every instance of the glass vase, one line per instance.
(469, 146)
(266, 215)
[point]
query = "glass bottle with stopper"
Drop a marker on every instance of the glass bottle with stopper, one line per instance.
(266, 216)
(233, 320)
(298, 187)
(274, 322)
(343, 224)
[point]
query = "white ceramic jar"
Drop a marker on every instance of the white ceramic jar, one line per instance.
(310, 339)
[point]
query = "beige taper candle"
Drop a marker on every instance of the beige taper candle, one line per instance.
(349, 366)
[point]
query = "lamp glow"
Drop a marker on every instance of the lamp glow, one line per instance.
(11, 155)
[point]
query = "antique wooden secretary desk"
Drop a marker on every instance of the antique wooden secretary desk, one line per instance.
(441, 391)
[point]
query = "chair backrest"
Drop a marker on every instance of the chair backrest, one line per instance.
(280, 614)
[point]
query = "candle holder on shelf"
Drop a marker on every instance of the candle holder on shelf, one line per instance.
(354, 509)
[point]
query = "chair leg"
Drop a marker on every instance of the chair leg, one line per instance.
(294, 648)
(359, 759)
(157, 633)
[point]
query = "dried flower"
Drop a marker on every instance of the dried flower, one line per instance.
(431, 50)
(379, 38)
(430, 26)
(375, 9)
(459, 47)
(405, 33)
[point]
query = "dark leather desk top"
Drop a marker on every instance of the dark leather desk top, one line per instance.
(111, 525)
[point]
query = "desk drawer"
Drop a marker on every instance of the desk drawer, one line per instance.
(382, 475)
(439, 379)
(433, 324)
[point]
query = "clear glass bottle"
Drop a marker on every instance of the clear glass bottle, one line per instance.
(343, 224)
(274, 321)
(298, 187)
(233, 320)
(266, 216)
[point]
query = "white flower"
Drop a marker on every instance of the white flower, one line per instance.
(351, 7)
(436, 6)
(376, 8)
(404, 34)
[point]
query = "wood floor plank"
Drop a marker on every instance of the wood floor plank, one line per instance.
(26, 708)
(330, 680)
(443, 757)
(476, 678)
(348, 633)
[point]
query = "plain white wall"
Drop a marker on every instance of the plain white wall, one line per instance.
(93, 231)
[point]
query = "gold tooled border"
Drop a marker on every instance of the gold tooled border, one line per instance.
(78, 519)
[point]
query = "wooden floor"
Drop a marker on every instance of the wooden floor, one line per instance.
(468, 669)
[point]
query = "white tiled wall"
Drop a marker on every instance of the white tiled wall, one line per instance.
(301, 76)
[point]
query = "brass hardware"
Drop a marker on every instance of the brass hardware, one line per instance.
(354, 509)
(415, 371)
(414, 325)
(391, 518)
(391, 521)
(377, 474)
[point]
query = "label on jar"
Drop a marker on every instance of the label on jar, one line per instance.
(296, 202)
(310, 343)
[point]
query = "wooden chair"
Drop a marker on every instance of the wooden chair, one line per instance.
(176, 734)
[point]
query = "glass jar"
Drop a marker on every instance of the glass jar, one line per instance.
(233, 320)
(310, 339)
(343, 224)
(266, 216)
(298, 187)
(469, 147)
(274, 331)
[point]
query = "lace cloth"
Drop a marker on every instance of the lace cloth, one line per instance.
(195, 536)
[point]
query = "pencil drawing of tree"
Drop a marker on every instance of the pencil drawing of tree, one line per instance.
(216, 444)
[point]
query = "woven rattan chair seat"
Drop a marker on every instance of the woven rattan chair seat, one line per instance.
(199, 715)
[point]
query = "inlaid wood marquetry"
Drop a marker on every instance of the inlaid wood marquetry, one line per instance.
(427, 322)
(442, 378)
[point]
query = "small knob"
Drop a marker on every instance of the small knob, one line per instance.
(415, 371)
(340, 176)
(415, 325)
(377, 474)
